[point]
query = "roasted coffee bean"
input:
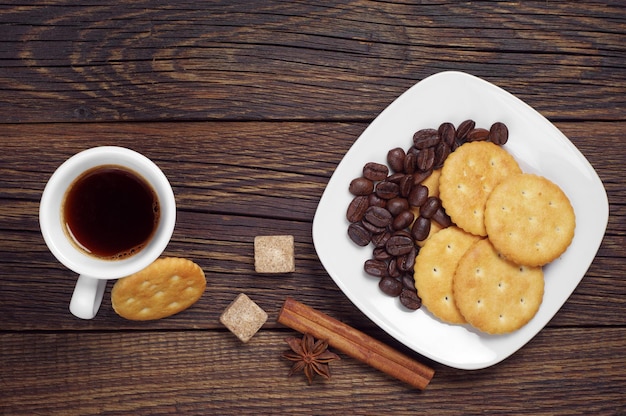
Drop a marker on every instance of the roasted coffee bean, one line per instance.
(390, 286)
(357, 208)
(410, 161)
(442, 151)
(418, 195)
(442, 218)
(374, 229)
(425, 138)
(403, 220)
(392, 268)
(406, 261)
(464, 128)
(405, 184)
(413, 151)
(387, 189)
(499, 133)
(447, 133)
(397, 205)
(375, 171)
(378, 216)
(420, 228)
(379, 253)
(361, 186)
(380, 239)
(429, 207)
(399, 244)
(409, 299)
(395, 177)
(376, 201)
(419, 177)
(426, 159)
(395, 158)
(478, 135)
(407, 281)
(376, 268)
(359, 234)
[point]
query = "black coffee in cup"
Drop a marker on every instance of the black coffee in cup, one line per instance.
(110, 212)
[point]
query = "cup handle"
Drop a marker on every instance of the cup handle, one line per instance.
(87, 296)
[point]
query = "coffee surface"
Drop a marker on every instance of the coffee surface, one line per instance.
(111, 212)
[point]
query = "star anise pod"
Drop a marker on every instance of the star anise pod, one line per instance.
(310, 356)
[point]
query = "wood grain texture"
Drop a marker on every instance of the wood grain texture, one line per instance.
(206, 372)
(248, 107)
(156, 60)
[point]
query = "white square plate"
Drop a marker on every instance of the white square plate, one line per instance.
(537, 145)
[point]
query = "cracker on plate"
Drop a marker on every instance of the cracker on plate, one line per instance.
(529, 219)
(468, 176)
(493, 294)
(434, 270)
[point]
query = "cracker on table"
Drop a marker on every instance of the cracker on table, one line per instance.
(468, 176)
(529, 219)
(166, 287)
(434, 270)
(243, 317)
(493, 294)
(274, 254)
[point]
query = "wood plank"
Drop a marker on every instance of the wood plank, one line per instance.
(561, 371)
(152, 60)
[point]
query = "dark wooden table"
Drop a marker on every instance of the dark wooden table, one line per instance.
(248, 107)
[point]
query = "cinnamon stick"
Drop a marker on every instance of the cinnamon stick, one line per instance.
(354, 343)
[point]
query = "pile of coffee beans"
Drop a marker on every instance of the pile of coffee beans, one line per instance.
(387, 198)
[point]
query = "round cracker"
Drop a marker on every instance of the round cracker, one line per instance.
(164, 288)
(468, 176)
(434, 270)
(493, 294)
(529, 219)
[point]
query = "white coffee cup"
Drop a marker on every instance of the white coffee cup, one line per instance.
(93, 271)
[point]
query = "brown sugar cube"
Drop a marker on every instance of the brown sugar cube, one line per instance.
(274, 254)
(243, 317)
